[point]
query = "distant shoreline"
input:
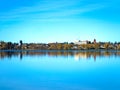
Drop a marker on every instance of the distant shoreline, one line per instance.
(83, 46)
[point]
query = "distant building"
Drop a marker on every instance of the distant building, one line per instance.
(81, 42)
(94, 41)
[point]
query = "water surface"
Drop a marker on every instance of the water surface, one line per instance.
(59, 70)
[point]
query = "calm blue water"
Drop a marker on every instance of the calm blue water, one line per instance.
(65, 70)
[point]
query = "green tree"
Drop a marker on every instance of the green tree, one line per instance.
(21, 42)
(3, 45)
(59, 46)
(67, 46)
(96, 45)
(106, 45)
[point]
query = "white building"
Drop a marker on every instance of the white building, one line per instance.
(80, 42)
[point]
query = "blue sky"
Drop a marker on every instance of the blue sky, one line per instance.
(59, 20)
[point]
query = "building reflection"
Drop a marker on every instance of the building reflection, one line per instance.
(78, 55)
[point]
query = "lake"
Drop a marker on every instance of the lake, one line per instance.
(59, 70)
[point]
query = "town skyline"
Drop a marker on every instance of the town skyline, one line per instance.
(71, 41)
(78, 45)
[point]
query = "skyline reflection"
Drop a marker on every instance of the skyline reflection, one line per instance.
(76, 54)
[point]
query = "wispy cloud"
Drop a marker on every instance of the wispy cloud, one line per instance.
(50, 10)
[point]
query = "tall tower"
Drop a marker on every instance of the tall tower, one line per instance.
(94, 41)
(21, 43)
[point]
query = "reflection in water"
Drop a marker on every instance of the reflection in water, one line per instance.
(76, 54)
(57, 70)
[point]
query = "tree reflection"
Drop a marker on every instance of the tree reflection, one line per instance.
(76, 54)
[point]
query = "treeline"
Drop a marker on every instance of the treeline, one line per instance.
(58, 46)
